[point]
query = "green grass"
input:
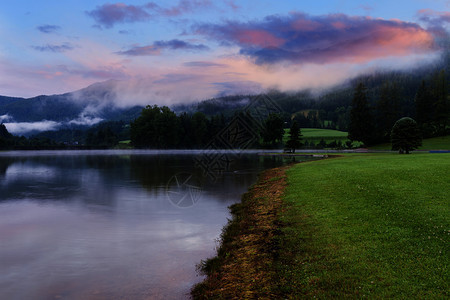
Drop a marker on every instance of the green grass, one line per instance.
(325, 133)
(374, 226)
(436, 143)
(317, 134)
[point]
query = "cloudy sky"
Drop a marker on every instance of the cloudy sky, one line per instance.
(180, 50)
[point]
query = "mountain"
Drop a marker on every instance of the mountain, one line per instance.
(100, 101)
(85, 107)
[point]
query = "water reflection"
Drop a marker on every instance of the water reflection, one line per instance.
(101, 226)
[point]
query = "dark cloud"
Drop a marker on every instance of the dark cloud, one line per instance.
(301, 38)
(109, 14)
(48, 28)
(158, 46)
(203, 64)
(54, 48)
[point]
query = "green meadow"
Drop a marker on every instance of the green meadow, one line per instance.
(317, 134)
(366, 225)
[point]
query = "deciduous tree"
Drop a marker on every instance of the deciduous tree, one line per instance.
(406, 135)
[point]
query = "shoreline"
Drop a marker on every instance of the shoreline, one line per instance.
(244, 266)
(356, 232)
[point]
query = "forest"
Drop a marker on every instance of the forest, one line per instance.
(377, 100)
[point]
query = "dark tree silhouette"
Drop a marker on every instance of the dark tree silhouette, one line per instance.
(424, 105)
(273, 131)
(387, 110)
(157, 127)
(442, 105)
(361, 123)
(406, 135)
(294, 141)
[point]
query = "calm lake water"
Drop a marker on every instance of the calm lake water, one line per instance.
(114, 224)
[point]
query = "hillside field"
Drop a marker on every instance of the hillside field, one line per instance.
(317, 134)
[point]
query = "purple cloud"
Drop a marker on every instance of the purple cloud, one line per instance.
(178, 78)
(301, 38)
(158, 46)
(437, 22)
(54, 48)
(108, 15)
(185, 6)
(48, 28)
(242, 87)
(203, 64)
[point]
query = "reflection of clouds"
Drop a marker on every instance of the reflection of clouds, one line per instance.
(29, 172)
(110, 254)
(109, 229)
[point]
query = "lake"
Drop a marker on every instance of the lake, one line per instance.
(115, 224)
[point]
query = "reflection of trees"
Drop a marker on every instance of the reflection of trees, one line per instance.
(155, 171)
(92, 179)
(4, 165)
(78, 177)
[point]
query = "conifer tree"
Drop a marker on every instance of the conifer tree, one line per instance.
(388, 107)
(424, 107)
(442, 107)
(294, 141)
(361, 126)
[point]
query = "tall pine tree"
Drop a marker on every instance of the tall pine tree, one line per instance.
(294, 141)
(424, 106)
(388, 107)
(442, 107)
(361, 127)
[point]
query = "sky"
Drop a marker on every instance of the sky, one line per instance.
(178, 51)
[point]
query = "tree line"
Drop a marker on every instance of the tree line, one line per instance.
(161, 128)
(372, 121)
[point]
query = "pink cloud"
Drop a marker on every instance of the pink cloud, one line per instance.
(300, 38)
(259, 38)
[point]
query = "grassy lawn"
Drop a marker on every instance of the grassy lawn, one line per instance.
(372, 225)
(317, 134)
(436, 143)
(326, 133)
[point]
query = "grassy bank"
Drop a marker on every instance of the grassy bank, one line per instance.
(367, 225)
(362, 225)
(244, 267)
